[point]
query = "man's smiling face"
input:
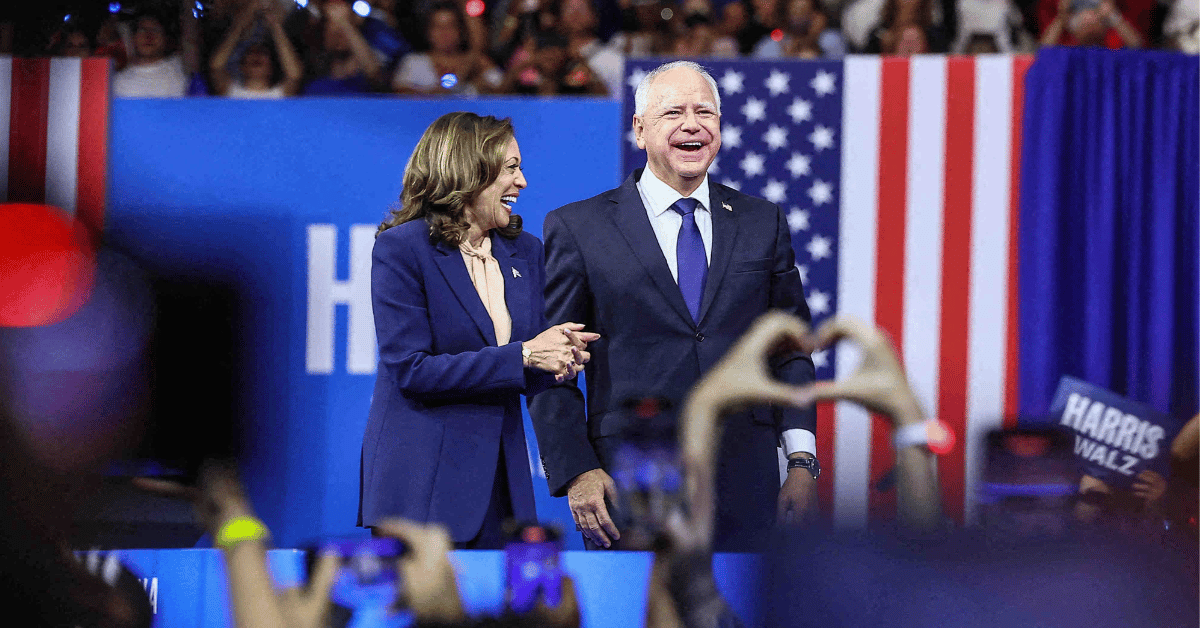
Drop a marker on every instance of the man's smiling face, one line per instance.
(680, 130)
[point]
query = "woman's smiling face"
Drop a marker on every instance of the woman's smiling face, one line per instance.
(492, 208)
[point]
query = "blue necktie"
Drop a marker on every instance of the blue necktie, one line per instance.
(691, 263)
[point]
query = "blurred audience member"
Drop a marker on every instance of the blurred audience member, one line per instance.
(695, 37)
(859, 18)
(546, 67)
(154, 71)
(110, 44)
(764, 19)
(1151, 504)
(342, 62)
(987, 26)
(805, 34)
(577, 20)
(1090, 23)
(450, 66)
(70, 41)
(907, 28)
(645, 29)
(427, 582)
(265, 72)
(1181, 29)
(734, 16)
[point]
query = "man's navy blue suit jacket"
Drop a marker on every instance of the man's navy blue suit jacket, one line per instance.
(605, 268)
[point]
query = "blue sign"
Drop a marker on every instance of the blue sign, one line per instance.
(1115, 438)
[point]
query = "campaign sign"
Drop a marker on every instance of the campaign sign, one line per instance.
(1115, 438)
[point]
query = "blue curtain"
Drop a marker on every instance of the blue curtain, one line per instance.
(1108, 276)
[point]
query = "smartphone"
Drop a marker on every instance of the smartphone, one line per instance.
(1029, 483)
(532, 569)
(647, 472)
(367, 580)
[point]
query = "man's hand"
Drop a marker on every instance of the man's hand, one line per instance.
(585, 496)
(430, 586)
(797, 502)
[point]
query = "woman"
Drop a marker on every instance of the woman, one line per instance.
(907, 28)
(457, 295)
(806, 34)
(341, 61)
(450, 54)
(262, 76)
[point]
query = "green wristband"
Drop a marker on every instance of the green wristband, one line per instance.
(241, 529)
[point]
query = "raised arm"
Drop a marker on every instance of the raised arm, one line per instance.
(339, 13)
(293, 69)
(218, 64)
(1054, 30)
(1112, 16)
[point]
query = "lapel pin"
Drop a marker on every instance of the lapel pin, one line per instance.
(515, 273)
(726, 206)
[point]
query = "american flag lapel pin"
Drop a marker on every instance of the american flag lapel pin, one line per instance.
(726, 206)
(515, 272)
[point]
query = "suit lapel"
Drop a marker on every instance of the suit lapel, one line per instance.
(724, 234)
(454, 269)
(516, 286)
(631, 220)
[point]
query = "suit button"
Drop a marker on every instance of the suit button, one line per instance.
(699, 337)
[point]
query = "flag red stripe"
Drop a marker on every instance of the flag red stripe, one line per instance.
(956, 275)
(825, 437)
(1011, 353)
(27, 130)
(93, 144)
(889, 269)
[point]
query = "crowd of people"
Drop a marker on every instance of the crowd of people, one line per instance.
(279, 48)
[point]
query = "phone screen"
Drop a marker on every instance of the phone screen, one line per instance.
(367, 579)
(647, 472)
(532, 569)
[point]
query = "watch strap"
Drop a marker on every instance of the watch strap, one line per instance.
(933, 434)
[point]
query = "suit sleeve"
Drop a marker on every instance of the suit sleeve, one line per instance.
(405, 335)
(787, 294)
(537, 380)
(558, 413)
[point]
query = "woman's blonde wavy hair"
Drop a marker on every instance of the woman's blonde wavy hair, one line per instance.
(458, 156)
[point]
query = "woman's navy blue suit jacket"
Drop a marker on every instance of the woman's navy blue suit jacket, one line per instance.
(446, 403)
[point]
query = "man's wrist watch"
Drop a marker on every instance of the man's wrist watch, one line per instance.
(811, 464)
(526, 354)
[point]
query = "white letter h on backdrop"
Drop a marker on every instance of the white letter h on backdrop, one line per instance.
(325, 293)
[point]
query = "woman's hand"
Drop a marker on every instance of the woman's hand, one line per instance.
(561, 350)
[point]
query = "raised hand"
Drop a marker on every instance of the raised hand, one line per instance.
(879, 384)
(430, 588)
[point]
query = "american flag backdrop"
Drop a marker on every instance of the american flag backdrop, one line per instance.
(54, 134)
(899, 181)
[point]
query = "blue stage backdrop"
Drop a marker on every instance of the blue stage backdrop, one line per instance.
(279, 202)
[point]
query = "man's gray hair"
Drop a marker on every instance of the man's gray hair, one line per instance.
(643, 88)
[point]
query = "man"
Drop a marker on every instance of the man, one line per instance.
(670, 269)
(154, 72)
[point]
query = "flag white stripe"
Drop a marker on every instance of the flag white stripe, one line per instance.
(856, 275)
(62, 133)
(923, 227)
(6, 92)
(989, 261)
